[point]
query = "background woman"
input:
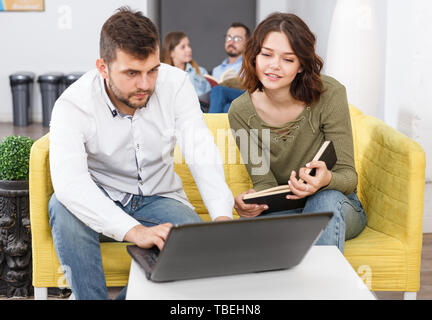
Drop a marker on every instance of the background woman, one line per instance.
(288, 98)
(176, 51)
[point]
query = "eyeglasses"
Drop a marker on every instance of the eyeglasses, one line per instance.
(233, 38)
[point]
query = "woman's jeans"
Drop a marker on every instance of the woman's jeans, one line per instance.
(78, 246)
(221, 98)
(349, 218)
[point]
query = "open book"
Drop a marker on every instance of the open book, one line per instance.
(228, 74)
(275, 197)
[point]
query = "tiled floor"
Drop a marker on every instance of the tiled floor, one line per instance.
(34, 131)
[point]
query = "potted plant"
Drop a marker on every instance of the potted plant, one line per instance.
(15, 238)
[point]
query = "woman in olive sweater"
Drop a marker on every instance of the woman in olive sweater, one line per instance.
(288, 111)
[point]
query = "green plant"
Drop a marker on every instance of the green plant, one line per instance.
(14, 157)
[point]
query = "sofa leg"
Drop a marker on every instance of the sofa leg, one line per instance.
(40, 293)
(410, 295)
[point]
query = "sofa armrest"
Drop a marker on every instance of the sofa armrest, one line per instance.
(40, 192)
(391, 170)
(40, 184)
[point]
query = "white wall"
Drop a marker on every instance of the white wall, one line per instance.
(265, 7)
(408, 100)
(65, 38)
(317, 14)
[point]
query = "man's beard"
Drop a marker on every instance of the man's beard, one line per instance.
(232, 53)
(126, 99)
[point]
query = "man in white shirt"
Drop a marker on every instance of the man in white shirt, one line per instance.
(112, 137)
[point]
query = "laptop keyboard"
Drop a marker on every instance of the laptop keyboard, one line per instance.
(152, 255)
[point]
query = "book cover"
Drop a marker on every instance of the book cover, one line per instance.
(212, 80)
(275, 197)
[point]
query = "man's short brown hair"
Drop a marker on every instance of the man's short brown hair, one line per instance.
(241, 25)
(307, 85)
(129, 31)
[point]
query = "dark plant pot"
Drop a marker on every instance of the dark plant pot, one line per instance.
(15, 240)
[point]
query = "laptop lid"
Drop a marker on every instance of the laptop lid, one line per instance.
(232, 247)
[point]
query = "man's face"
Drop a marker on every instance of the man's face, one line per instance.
(130, 80)
(235, 40)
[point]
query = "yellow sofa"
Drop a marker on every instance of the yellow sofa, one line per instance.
(386, 255)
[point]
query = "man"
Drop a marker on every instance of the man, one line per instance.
(112, 137)
(235, 40)
(221, 96)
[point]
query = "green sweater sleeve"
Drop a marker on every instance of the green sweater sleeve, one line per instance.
(336, 125)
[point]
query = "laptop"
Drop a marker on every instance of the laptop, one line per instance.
(222, 248)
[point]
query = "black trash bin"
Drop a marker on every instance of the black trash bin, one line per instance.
(70, 78)
(51, 86)
(22, 94)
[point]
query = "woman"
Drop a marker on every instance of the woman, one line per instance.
(176, 51)
(298, 109)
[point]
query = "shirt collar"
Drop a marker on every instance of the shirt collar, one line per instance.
(189, 67)
(108, 102)
(239, 60)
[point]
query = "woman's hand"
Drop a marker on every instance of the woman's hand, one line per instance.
(307, 184)
(248, 210)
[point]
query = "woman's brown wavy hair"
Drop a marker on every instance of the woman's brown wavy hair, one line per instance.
(307, 85)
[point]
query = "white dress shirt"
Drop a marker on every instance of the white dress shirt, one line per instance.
(91, 145)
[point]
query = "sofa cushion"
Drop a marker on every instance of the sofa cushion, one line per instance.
(386, 260)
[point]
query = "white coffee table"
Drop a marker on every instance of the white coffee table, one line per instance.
(324, 273)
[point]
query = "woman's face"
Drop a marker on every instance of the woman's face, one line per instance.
(182, 52)
(276, 63)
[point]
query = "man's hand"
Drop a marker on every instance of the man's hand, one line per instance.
(147, 237)
(248, 210)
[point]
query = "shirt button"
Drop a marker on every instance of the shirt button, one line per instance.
(137, 146)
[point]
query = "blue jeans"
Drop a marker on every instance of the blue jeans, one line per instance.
(349, 218)
(78, 246)
(221, 98)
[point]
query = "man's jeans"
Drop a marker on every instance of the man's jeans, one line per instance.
(221, 98)
(78, 246)
(349, 218)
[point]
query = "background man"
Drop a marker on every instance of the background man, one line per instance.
(235, 40)
(221, 96)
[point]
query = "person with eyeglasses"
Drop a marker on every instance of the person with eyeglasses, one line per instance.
(230, 88)
(235, 40)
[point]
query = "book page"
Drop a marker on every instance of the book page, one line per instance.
(274, 190)
(228, 74)
(212, 80)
